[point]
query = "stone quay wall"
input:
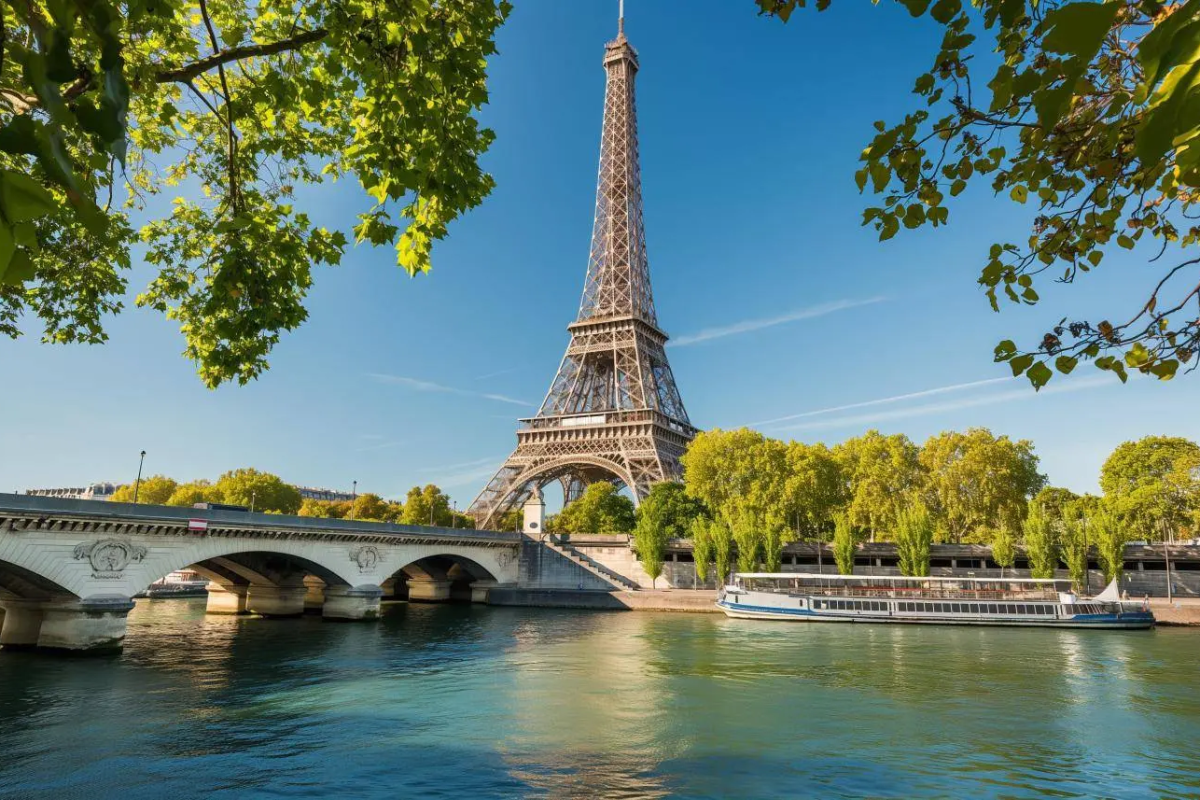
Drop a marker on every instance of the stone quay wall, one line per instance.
(1145, 573)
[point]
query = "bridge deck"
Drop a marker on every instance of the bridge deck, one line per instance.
(17, 510)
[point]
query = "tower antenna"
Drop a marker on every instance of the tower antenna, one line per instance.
(621, 17)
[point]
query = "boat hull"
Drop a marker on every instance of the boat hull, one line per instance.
(1124, 621)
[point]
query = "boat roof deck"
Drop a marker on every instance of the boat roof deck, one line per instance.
(896, 578)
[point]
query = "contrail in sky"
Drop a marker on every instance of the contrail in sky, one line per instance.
(430, 386)
(954, 405)
(884, 400)
(745, 326)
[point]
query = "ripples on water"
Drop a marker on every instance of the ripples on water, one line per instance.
(475, 702)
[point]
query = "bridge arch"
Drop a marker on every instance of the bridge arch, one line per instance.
(20, 583)
(575, 472)
(446, 574)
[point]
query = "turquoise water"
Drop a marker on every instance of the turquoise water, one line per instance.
(476, 702)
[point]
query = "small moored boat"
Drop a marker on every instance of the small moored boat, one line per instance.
(1029, 602)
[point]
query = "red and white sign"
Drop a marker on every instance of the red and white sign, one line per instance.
(197, 525)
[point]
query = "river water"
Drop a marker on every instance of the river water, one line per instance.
(476, 702)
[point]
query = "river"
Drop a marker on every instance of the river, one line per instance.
(475, 702)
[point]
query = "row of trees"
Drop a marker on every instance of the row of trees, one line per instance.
(745, 495)
(244, 487)
(427, 505)
(269, 493)
(760, 493)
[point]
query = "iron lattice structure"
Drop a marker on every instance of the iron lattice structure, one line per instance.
(613, 411)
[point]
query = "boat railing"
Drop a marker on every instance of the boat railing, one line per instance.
(915, 593)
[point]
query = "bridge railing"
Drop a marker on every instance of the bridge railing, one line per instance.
(134, 513)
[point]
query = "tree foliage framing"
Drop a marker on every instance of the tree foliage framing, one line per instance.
(1094, 114)
(101, 101)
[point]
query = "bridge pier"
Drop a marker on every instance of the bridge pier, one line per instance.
(424, 590)
(94, 625)
(352, 603)
(276, 601)
(314, 596)
(226, 599)
(22, 622)
(479, 590)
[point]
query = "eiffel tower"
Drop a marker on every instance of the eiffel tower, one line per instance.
(613, 411)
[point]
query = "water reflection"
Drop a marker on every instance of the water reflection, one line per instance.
(466, 701)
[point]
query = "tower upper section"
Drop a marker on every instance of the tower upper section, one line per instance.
(618, 277)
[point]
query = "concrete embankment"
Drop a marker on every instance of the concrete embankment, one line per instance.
(681, 600)
(1176, 612)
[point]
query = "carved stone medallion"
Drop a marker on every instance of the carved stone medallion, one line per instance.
(367, 557)
(109, 557)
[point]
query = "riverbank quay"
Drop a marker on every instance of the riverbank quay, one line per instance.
(702, 601)
(1183, 612)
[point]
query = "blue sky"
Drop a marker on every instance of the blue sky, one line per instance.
(785, 313)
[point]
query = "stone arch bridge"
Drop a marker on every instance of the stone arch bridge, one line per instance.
(69, 569)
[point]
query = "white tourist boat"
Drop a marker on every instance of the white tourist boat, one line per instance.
(806, 597)
(181, 583)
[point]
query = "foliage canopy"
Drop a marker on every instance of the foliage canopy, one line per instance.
(1090, 112)
(104, 106)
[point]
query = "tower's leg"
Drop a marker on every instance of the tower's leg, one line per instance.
(573, 487)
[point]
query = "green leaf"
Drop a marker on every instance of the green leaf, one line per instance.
(20, 269)
(1161, 48)
(1078, 29)
(1020, 363)
(1019, 193)
(880, 175)
(945, 10)
(1039, 374)
(890, 226)
(1052, 104)
(1160, 122)
(1165, 370)
(1065, 364)
(59, 66)
(1125, 241)
(20, 136)
(915, 7)
(1137, 355)
(22, 198)
(7, 247)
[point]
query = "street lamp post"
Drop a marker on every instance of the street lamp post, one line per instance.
(137, 486)
(353, 490)
(253, 496)
(454, 514)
